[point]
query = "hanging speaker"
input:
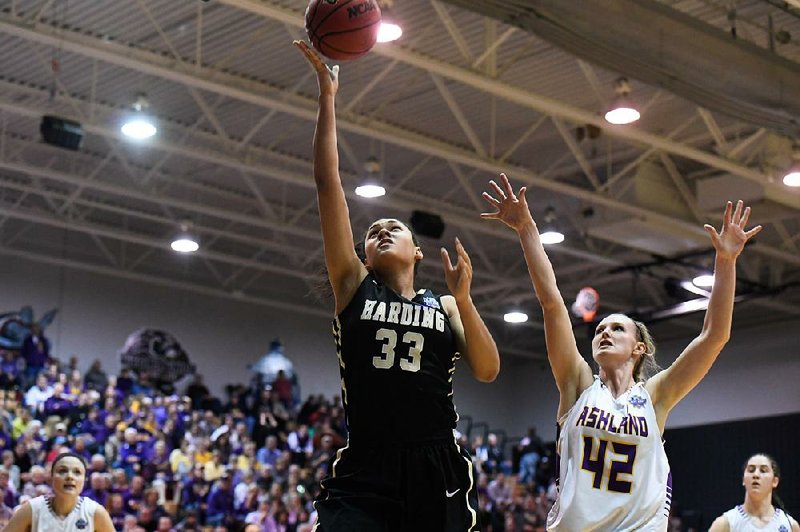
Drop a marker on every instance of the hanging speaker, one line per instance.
(61, 132)
(427, 224)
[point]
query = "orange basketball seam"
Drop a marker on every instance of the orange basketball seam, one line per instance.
(348, 30)
(331, 12)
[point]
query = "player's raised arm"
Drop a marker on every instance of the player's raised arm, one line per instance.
(671, 385)
(571, 372)
(345, 270)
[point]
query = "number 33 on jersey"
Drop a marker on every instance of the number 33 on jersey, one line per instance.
(396, 359)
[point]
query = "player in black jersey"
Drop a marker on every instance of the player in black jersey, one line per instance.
(401, 469)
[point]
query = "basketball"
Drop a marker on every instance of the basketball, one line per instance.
(343, 29)
(586, 304)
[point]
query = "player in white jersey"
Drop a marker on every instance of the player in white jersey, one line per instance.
(613, 471)
(65, 510)
(760, 480)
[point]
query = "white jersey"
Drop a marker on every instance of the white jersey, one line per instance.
(741, 521)
(612, 469)
(81, 519)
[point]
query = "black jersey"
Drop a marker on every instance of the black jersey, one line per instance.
(396, 359)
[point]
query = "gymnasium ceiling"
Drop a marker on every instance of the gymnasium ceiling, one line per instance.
(459, 98)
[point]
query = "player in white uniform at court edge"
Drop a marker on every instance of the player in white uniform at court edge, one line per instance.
(613, 471)
(758, 513)
(65, 510)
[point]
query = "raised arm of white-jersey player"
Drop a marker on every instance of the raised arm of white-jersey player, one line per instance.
(21, 521)
(571, 372)
(473, 339)
(672, 384)
(345, 270)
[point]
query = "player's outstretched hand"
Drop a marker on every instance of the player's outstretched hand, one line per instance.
(458, 277)
(512, 209)
(730, 241)
(327, 77)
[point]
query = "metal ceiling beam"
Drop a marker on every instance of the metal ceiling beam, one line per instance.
(266, 96)
(464, 219)
(520, 96)
(399, 198)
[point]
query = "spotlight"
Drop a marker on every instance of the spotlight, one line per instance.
(551, 237)
(704, 281)
(389, 32)
(138, 124)
(370, 190)
(515, 317)
(622, 109)
(550, 234)
(371, 187)
(185, 241)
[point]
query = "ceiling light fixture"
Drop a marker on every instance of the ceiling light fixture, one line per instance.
(389, 32)
(139, 125)
(550, 234)
(622, 109)
(515, 317)
(370, 186)
(185, 241)
(704, 281)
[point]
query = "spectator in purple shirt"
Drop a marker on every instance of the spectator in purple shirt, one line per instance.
(116, 509)
(220, 502)
(10, 498)
(270, 453)
(135, 495)
(59, 404)
(195, 490)
(10, 366)
(35, 351)
(97, 490)
(131, 452)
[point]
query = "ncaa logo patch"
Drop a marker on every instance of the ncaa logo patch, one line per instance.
(638, 401)
(431, 302)
(783, 529)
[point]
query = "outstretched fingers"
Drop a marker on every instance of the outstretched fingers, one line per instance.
(507, 184)
(462, 253)
(753, 232)
(737, 214)
(499, 191)
(745, 217)
(448, 265)
(316, 61)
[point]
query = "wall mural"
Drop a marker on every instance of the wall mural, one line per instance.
(16, 325)
(157, 352)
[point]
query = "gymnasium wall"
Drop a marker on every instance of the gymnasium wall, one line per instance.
(755, 376)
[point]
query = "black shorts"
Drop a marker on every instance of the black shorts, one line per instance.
(400, 488)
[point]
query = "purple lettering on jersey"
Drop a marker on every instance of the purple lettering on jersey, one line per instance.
(602, 420)
(591, 420)
(643, 431)
(582, 417)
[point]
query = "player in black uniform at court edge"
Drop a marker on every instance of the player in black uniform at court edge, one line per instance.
(402, 469)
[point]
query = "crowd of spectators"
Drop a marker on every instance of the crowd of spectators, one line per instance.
(191, 461)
